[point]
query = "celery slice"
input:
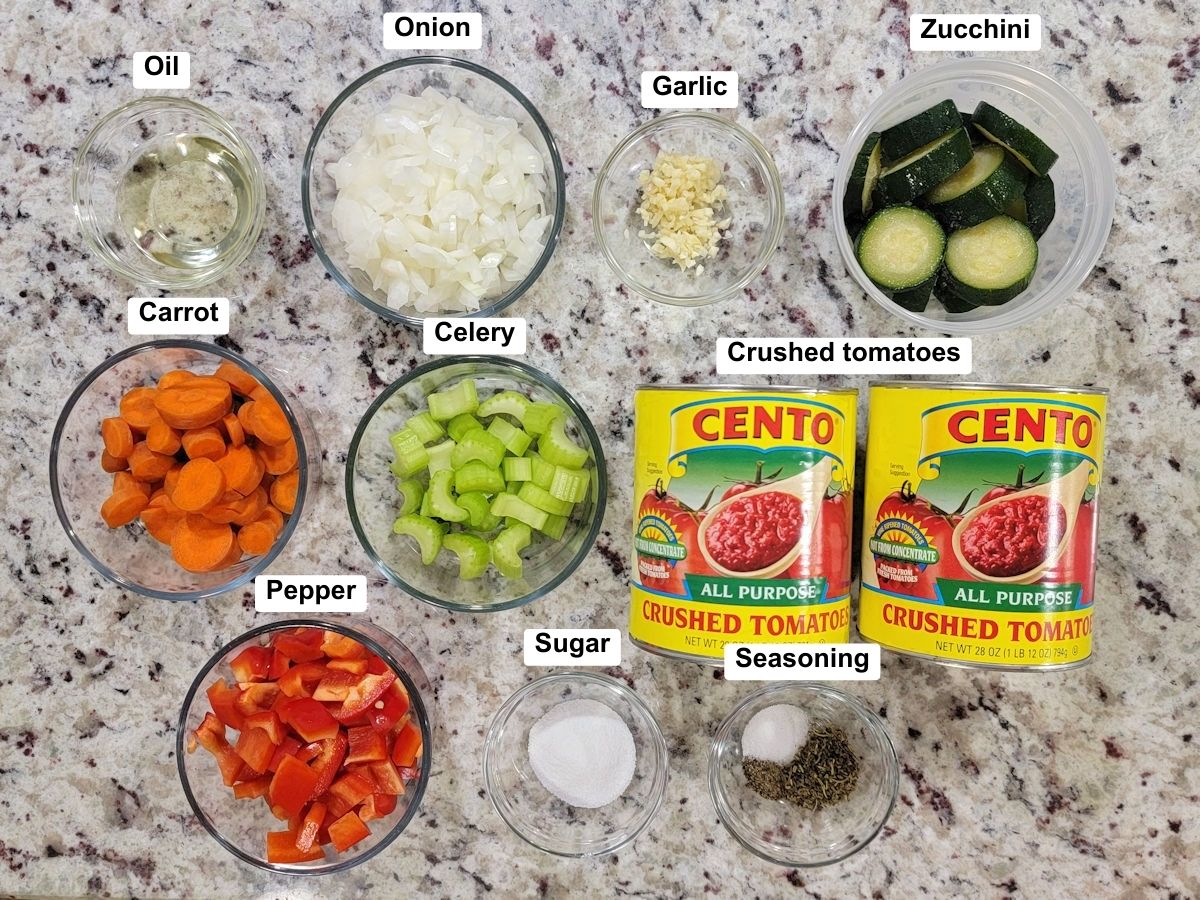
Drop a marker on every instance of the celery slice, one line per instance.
(556, 447)
(461, 424)
(473, 554)
(424, 427)
(568, 484)
(543, 472)
(542, 499)
(477, 475)
(540, 415)
(506, 549)
(510, 403)
(515, 440)
(454, 401)
(426, 532)
(441, 503)
(439, 456)
(426, 505)
(517, 468)
(555, 527)
(480, 445)
(506, 505)
(411, 455)
(411, 490)
(479, 511)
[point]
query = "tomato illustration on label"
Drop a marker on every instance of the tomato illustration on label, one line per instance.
(1077, 562)
(1003, 490)
(666, 537)
(912, 536)
(740, 487)
(830, 555)
(1014, 536)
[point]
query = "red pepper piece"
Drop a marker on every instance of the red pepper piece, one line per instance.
(389, 710)
(387, 778)
(376, 666)
(300, 680)
(279, 665)
(336, 685)
(281, 848)
(291, 786)
(329, 762)
(383, 805)
(310, 751)
(363, 695)
(366, 745)
(214, 742)
(223, 700)
(407, 745)
(307, 833)
(352, 788)
(287, 747)
(309, 719)
(255, 748)
(300, 644)
(252, 664)
(255, 696)
(357, 666)
(253, 789)
(269, 722)
(336, 807)
(348, 831)
(338, 646)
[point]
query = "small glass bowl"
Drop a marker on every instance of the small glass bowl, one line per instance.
(129, 556)
(780, 832)
(1084, 185)
(106, 155)
(240, 826)
(372, 498)
(536, 815)
(755, 204)
(340, 126)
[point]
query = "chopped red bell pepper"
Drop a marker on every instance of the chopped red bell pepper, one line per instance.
(300, 644)
(386, 777)
(279, 665)
(352, 788)
(389, 709)
(300, 680)
(287, 747)
(228, 761)
(357, 666)
(309, 719)
(291, 786)
(255, 696)
(376, 665)
(269, 722)
(336, 685)
(281, 848)
(377, 806)
(223, 700)
(308, 752)
(313, 820)
(339, 646)
(253, 789)
(255, 748)
(407, 745)
(363, 695)
(329, 762)
(366, 745)
(252, 664)
(348, 831)
(336, 806)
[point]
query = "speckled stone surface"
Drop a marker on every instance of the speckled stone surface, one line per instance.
(1082, 784)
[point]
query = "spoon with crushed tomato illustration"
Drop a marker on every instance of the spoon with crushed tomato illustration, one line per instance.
(760, 532)
(1015, 537)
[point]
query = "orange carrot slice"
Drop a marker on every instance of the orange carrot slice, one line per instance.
(160, 517)
(269, 423)
(124, 481)
(194, 403)
(117, 437)
(243, 415)
(138, 409)
(146, 465)
(162, 438)
(283, 491)
(204, 442)
(251, 507)
(243, 469)
(233, 429)
(241, 381)
(110, 463)
(201, 484)
(199, 545)
(121, 509)
(281, 458)
(257, 537)
(175, 377)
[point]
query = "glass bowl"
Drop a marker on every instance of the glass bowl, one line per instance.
(755, 204)
(240, 825)
(129, 556)
(373, 500)
(106, 156)
(341, 125)
(1084, 184)
(536, 815)
(780, 832)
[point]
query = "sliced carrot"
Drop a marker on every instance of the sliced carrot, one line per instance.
(121, 509)
(175, 377)
(123, 481)
(227, 508)
(241, 381)
(172, 478)
(232, 557)
(257, 537)
(201, 484)
(283, 491)
(252, 507)
(138, 409)
(197, 402)
(269, 423)
(243, 469)
(243, 415)
(161, 517)
(117, 437)
(274, 515)
(162, 438)
(261, 393)
(200, 545)
(146, 465)
(110, 463)
(233, 429)
(281, 458)
(205, 442)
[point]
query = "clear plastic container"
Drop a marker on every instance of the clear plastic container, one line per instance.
(372, 498)
(129, 556)
(1085, 188)
(240, 826)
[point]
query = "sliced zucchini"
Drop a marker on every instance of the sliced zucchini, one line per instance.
(923, 128)
(1000, 128)
(979, 190)
(944, 292)
(1016, 208)
(990, 263)
(966, 124)
(900, 249)
(1039, 205)
(925, 168)
(867, 166)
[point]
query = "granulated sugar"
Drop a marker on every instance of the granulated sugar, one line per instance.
(582, 752)
(775, 734)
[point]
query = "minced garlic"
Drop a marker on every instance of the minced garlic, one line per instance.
(680, 198)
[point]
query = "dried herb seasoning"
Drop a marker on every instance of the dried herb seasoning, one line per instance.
(824, 772)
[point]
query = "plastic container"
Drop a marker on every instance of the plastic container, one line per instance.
(340, 126)
(129, 556)
(373, 500)
(1085, 189)
(536, 815)
(755, 204)
(240, 826)
(781, 832)
(107, 154)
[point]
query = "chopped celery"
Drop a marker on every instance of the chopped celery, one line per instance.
(424, 427)
(441, 502)
(480, 445)
(478, 476)
(554, 528)
(473, 554)
(568, 484)
(543, 472)
(479, 511)
(411, 455)
(426, 505)
(412, 491)
(540, 415)
(504, 505)
(454, 401)
(556, 447)
(426, 532)
(439, 456)
(510, 403)
(543, 500)
(506, 550)
(518, 468)
(513, 438)
(461, 424)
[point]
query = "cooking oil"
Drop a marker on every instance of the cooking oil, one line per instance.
(184, 200)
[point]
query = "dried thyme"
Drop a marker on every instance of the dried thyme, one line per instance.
(823, 773)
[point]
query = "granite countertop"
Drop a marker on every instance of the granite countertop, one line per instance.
(1082, 783)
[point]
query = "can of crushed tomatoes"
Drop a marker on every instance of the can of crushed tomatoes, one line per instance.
(979, 523)
(742, 517)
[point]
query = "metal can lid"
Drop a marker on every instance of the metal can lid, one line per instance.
(748, 388)
(985, 386)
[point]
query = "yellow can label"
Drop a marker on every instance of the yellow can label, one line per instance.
(979, 531)
(742, 517)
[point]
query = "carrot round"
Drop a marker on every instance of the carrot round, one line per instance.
(281, 458)
(227, 508)
(194, 403)
(233, 429)
(160, 517)
(124, 481)
(199, 545)
(283, 491)
(162, 438)
(146, 465)
(204, 442)
(117, 437)
(274, 515)
(233, 557)
(269, 423)
(110, 463)
(201, 484)
(175, 377)
(243, 469)
(257, 537)
(242, 382)
(121, 509)
(243, 415)
(251, 507)
(138, 409)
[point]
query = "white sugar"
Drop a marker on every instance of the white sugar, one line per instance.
(775, 734)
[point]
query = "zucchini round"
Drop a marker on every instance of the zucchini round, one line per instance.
(1000, 128)
(901, 249)
(917, 131)
(990, 263)
(867, 166)
(979, 190)
(1039, 205)
(925, 168)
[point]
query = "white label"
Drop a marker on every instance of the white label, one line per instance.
(801, 662)
(178, 315)
(432, 31)
(500, 336)
(310, 593)
(844, 356)
(572, 647)
(975, 32)
(689, 90)
(162, 70)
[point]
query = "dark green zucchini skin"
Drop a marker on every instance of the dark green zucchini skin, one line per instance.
(853, 213)
(917, 298)
(946, 296)
(905, 185)
(986, 200)
(1039, 205)
(1003, 129)
(954, 284)
(917, 131)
